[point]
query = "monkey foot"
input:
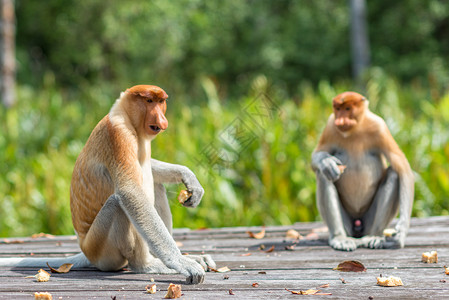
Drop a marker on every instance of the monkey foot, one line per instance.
(343, 243)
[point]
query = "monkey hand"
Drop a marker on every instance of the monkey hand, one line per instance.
(193, 186)
(327, 165)
(188, 267)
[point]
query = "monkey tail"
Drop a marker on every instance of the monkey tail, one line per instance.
(78, 260)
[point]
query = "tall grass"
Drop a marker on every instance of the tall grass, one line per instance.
(253, 162)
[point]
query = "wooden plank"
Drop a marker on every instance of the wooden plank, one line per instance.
(309, 265)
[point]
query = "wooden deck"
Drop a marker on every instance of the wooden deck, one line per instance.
(308, 265)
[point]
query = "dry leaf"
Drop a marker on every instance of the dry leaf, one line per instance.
(350, 266)
(270, 250)
(41, 234)
(443, 280)
(324, 286)
(308, 292)
(7, 241)
(291, 247)
(312, 236)
(223, 270)
(184, 196)
(173, 291)
(42, 276)
(42, 296)
(231, 292)
(255, 284)
(220, 270)
(246, 254)
(389, 281)
(65, 268)
(151, 289)
(259, 235)
(293, 234)
(446, 270)
(430, 257)
(343, 280)
(262, 272)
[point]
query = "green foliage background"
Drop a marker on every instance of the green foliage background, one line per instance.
(214, 59)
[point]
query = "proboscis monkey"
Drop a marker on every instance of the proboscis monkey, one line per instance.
(363, 178)
(119, 206)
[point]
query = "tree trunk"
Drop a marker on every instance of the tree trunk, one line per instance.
(7, 52)
(359, 39)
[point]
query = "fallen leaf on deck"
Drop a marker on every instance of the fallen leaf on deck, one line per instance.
(350, 266)
(7, 241)
(324, 286)
(293, 234)
(446, 270)
(42, 296)
(65, 268)
(312, 236)
(41, 234)
(308, 292)
(246, 254)
(173, 291)
(220, 270)
(151, 289)
(291, 247)
(259, 235)
(270, 250)
(255, 284)
(262, 272)
(343, 280)
(231, 292)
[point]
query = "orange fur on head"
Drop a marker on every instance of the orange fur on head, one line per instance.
(152, 92)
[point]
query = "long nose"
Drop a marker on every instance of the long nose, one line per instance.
(161, 120)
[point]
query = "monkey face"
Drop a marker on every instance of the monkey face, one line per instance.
(152, 102)
(155, 120)
(348, 109)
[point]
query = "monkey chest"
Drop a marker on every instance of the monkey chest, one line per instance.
(358, 184)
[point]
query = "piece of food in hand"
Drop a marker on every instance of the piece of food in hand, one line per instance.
(184, 196)
(389, 281)
(42, 296)
(173, 291)
(430, 257)
(389, 232)
(42, 276)
(341, 168)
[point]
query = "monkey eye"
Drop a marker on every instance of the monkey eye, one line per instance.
(347, 108)
(150, 101)
(337, 108)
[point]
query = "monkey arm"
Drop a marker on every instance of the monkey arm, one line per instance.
(170, 173)
(327, 164)
(134, 201)
(399, 163)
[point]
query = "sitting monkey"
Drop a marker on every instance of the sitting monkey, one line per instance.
(358, 194)
(119, 206)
